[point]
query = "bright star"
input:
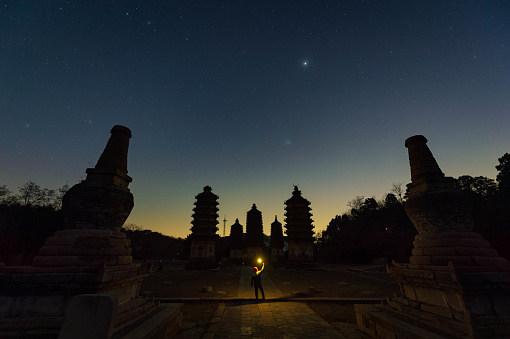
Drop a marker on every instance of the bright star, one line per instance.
(305, 63)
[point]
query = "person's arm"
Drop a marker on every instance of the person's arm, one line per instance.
(261, 269)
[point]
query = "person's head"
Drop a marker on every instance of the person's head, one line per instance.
(255, 270)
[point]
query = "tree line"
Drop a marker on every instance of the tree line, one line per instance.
(146, 244)
(31, 194)
(373, 229)
(370, 229)
(32, 214)
(27, 218)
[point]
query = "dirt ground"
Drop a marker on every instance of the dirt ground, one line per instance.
(335, 282)
(174, 281)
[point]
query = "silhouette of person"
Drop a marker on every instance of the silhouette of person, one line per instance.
(256, 281)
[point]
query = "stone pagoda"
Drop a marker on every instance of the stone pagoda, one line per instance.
(455, 285)
(276, 242)
(236, 243)
(203, 236)
(299, 230)
(90, 259)
(254, 235)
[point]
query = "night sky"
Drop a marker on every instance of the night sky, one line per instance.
(251, 97)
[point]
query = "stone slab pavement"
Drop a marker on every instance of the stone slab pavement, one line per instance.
(272, 318)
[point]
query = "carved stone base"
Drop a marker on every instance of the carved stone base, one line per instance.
(34, 298)
(84, 248)
(383, 322)
(300, 254)
(202, 255)
(455, 285)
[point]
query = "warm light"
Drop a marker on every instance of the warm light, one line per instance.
(260, 260)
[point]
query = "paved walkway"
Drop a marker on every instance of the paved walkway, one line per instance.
(270, 318)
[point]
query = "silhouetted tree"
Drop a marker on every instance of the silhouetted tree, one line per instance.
(23, 230)
(58, 198)
(371, 230)
(132, 227)
(398, 191)
(4, 192)
(374, 229)
(483, 187)
(26, 220)
(503, 177)
(355, 204)
(391, 200)
(369, 206)
(147, 244)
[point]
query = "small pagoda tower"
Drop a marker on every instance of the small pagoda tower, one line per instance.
(299, 229)
(203, 236)
(254, 234)
(276, 242)
(236, 243)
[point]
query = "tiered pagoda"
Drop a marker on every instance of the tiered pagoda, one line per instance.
(254, 234)
(203, 236)
(299, 229)
(236, 243)
(276, 242)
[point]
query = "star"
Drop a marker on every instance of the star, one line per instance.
(305, 63)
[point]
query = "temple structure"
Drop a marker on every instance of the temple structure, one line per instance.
(203, 236)
(254, 235)
(455, 285)
(90, 259)
(236, 243)
(299, 230)
(277, 243)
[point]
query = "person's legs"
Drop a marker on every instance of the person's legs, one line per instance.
(256, 292)
(262, 290)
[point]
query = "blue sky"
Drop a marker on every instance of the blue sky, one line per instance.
(251, 98)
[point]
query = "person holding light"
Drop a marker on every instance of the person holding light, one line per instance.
(256, 281)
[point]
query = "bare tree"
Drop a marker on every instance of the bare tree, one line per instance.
(357, 202)
(4, 193)
(396, 188)
(32, 194)
(132, 227)
(58, 197)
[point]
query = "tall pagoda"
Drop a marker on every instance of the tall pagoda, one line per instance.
(254, 234)
(276, 242)
(236, 243)
(299, 229)
(203, 236)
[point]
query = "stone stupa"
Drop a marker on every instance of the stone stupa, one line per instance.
(91, 257)
(455, 284)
